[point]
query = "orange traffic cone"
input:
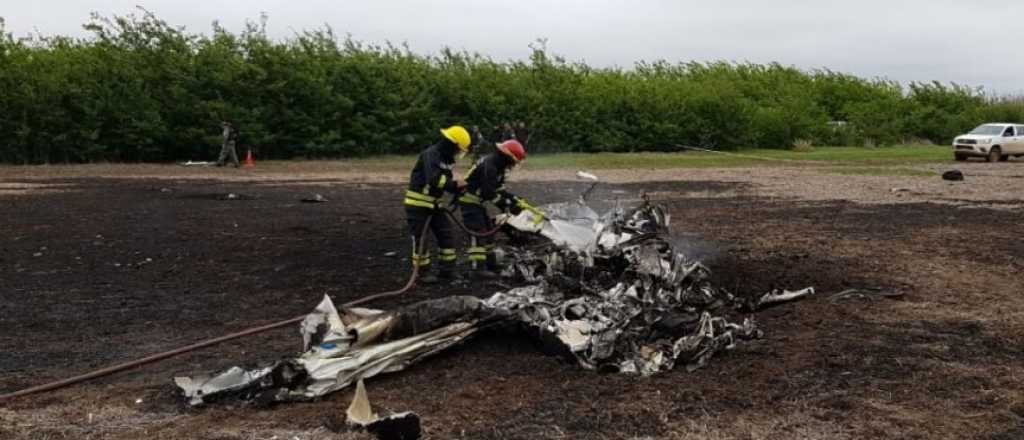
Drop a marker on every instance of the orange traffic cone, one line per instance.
(249, 161)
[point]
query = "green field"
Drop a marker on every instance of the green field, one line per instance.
(844, 160)
(884, 161)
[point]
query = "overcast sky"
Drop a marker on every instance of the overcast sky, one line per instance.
(977, 43)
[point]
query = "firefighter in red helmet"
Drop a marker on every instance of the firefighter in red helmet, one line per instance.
(485, 183)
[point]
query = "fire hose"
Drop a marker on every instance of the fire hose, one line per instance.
(450, 212)
(485, 233)
(251, 331)
(210, 342)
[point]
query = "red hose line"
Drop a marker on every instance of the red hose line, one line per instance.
(209, 342)
(466, 229)
(146, 360)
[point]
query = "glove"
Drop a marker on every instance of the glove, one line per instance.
(440, 205)
(537, 214)
(507, 202)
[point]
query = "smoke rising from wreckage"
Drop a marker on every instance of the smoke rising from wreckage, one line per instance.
(609, 291)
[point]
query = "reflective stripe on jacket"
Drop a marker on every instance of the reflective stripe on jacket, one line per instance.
(432, 175)
(485, 182)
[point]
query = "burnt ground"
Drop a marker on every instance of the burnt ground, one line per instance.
(106, 270)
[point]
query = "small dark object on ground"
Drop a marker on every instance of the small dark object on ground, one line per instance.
(360, 416)
(953, 175)
(867, 293)
(402, 426)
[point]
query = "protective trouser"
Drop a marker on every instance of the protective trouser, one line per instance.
(441, 228)
(481, 249)
(228, 151)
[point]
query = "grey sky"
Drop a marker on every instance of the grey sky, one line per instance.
(975, 43)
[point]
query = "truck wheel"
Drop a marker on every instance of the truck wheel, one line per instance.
(994, 154)
(959, 157)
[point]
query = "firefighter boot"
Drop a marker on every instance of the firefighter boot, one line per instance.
(492, 262)
(447, 274)
(426, 277)
(484, 274)
(490, 269)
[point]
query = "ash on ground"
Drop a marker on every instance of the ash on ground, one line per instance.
(609, 291)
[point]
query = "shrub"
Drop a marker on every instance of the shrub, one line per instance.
(802, 146)
(140, 89)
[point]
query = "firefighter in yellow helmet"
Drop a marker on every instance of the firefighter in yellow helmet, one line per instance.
(430, 179)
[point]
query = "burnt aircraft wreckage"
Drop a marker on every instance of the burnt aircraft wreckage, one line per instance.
(610, 291)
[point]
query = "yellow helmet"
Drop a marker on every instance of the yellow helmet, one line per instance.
(458, 135)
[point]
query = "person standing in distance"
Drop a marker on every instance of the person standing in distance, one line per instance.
(227, 149)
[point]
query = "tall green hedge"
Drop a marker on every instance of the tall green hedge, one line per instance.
(142, 90)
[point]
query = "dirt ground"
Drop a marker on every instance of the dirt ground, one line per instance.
(99, 266)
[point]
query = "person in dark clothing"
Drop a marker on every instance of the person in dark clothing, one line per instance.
(485, 183)
(522, 133)
(493, 135)
(507, 133)
(227, 149)
(430, 179)
(479, 143)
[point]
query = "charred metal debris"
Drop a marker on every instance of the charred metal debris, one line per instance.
(609, 291)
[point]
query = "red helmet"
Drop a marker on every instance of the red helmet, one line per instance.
(513, 149)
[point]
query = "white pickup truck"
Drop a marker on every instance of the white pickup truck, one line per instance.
(995, 142)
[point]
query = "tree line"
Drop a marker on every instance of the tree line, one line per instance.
(139, 89)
